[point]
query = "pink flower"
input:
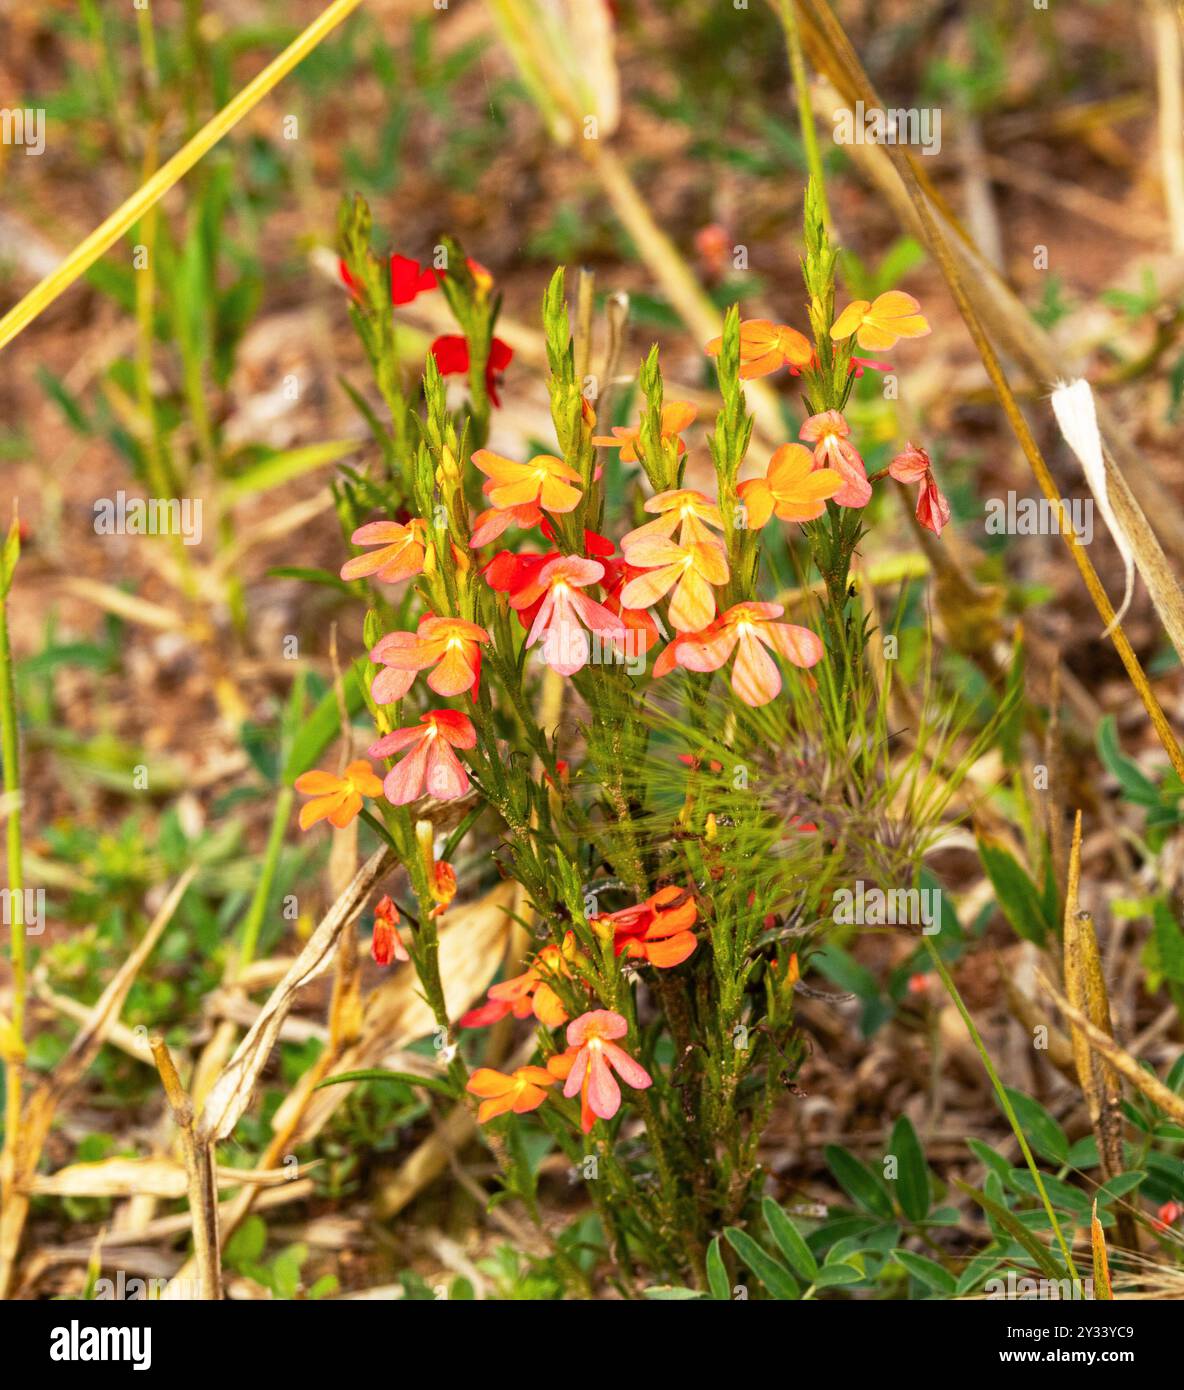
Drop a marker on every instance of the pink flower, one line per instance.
(594, 1063)
(430, 763)
(401, 553)
(914, 466)
(829, 433)
(563, 609)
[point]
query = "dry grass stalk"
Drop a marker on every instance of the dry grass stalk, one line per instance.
(1097, 1240)
(1122, 1061)
(1085, 986)
(201, 1184)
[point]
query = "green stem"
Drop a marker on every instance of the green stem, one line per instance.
(797, 68)
(271, 859)
(980, 1047)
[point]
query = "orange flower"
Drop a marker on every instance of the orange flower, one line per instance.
(676, 417)
(442, 887)
(766, 346)
(451, 645)
(679, 507)
(524, 1090)
(401, 554)
(560, 1065)
(531, 991)
(747, 629)
(791, 489)
(657, 930)
(336, 799)
(689, 569)
(545, 480)
(829, 433)
(597, 1057)
(879, 325)
(488, 526)
(386, 944)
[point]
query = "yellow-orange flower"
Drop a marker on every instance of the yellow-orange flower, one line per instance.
(880, 324)
(766, 346)
(684, 507)
(790, 488)
(690, 570)
(676, 417)
(523, 1090)
(336, 799)
(545, 480)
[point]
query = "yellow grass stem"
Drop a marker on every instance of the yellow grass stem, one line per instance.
(87, 252)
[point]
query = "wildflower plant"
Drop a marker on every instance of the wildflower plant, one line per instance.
(715, 756)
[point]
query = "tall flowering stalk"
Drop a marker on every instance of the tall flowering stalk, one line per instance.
(648, 848)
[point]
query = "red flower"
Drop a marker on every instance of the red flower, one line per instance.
(408, 280)
(657, 930)
(914, 466)
(386, 944)
(451, 351)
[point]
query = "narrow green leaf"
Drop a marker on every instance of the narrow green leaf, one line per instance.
(790, 1241)
(772, 1273)
(858, 1181)
(912, 1177)
(717, 1274)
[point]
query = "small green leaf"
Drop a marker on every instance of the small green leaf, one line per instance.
(772, 1273)
(1018, 898)
(858, 1181)
(829, 1276)
(1040, 1129)
(275, 469)
(790, 1241)
(929, 1272)
(717, 1274)
(1008, 1222)
(912, 1181)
